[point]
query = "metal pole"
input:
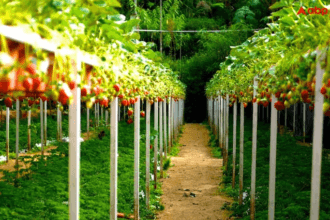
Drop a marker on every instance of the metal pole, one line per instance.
(317, 145)
(74, 150)
(161, 138)
(254, 152)
(113, 158)
(136, 158)
(234, 144)
(155, 141)
(272, 161)
(241, 157)
(147, 154)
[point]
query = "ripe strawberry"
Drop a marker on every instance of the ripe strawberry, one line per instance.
(30, 102)
(31, 68)
(8, 102)
(304, 94)
(265, 104)
(327, 113)
(129, 121)
(4, 84)
(36, 83)
(150, 146)
(308, 100)
(130, 112)
(311, 108)
(37, 101)
(116, 87)
(28, 84)
(328, 84)
(72, 85)
(124, 102)
(241, 93)
(159, 99)
(245, 104)
(323, 90)
(254, 100)
(132, 101)
(83, 91)
(146, 92)
(142, 114)
(279, 105)
(43, 98)
(151, 102)
(121, 96)
(65, 94)
(278, 94)
(136, 99)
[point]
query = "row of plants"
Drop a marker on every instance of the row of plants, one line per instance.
(282, 57)
(42, 192)
(293, 175)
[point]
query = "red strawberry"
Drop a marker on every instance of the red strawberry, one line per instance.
(84, 91)
(311, 108)
(124, 102)
(304, 94)
(245, 105)
(4, 84)
(8, 102)
(146, 92)
(323, 90)
(136, 99)
(254, 100)
(31, 68)
(30, 102)
(129, 121)
(278, 94)
(72, 85)
(121, 96)
(150, 146)
(327, 113)
(308, 100)
(241, 93)
(159, 99)
(130, 112)
(28, 84)
(265, 104)
(43, 98)
(116, 87)
(36, 83)
(65, 94)
(37, 102)
(132, 101)
(279, 105)
(142, 114)
(21, 98)
(328, 84)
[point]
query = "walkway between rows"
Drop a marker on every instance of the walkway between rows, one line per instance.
(191, 189)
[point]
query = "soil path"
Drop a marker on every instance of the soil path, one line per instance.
(197, 171)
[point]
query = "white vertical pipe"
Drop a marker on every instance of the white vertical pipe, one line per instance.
(95, 112)
(17, 133)
(220, 122)
(98, 114)
(234, 144)
(317, 145)
(88, 123)
(7, 132)
(136, 158)
(304, 121)
(169, 123)
(227, 128)
(165, 130)
(45, 126)
(42, 141)
(216, 117)
(254, 152)
(147, 154)
(113, 158)
(272, 161)
(173, 117)
(155, 141)
(74, 150)
(29, 129)
(161, 138)
(241, 157)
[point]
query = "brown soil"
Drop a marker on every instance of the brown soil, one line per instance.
(194, 169)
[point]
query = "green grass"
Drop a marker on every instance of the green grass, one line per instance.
(293, 176)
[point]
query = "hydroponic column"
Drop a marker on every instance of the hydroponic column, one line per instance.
(173, 120)
(216, 117)
(254, 152)
(42, 126)
(272, 160)
(221, 123)
(147, 153)
(155, 141)
(317, 145)
(113, 158)
(285, 117)
(161, 138)
(227, 128)
(241, 157)
(136, 158)
(7, 132)
(220, 126)
(169, 124)
(234, 144)
(74, 149)
(165, 130)
(17, 134)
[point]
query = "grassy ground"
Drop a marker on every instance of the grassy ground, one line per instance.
(293, 175)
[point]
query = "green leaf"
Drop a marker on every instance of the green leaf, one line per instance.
(280, 4)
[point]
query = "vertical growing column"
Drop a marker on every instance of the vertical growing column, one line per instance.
(136, 158)
(113, 158)
(169, 124)
(317, 146)
(74, 149)
(227, 128)
(161, 138)
(155, 142)
(147, 153)
(241, 157)
(165, 130)
(211, 111)
(234, 144)
(272, 161)
(42, 126)
(221, 124)
(254, 152)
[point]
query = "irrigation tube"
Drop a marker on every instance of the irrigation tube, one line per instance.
(155, 142)
(317, 145)
(113, 158)
(272, 161)
(74, 150)
(161, 138)
(136, 158)
(241, 157)
(147, 154)
(254, 152)
(234, 144)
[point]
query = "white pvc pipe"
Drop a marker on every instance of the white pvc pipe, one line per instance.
(98, 114)
(254, 152)
(74, 151)
(272, 161)
(227, 128)
(113, 158)
(220, 121)
(241, 157)
(161, 138)
(136, 158)
(165, 130)
(234, 144)
(17, 133)
(155, 141)
(7, 132)
(42, 141)
(147, 154)
(173, 121)
(169, 124)
(317, 145)
(45, 126)
(29, 129)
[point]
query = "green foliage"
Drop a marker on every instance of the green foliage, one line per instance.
(167, 164)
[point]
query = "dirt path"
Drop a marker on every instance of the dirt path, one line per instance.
(194, 169)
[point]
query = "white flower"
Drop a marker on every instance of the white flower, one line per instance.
(3, 158)
(141, 194)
